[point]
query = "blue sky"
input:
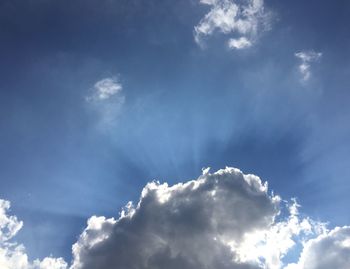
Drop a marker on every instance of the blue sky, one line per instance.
(178, 105)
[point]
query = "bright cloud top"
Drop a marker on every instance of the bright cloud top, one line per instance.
(106, 88)
(221, 220)
(307, 58)
(242, 20)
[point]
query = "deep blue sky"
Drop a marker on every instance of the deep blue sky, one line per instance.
(186, 107)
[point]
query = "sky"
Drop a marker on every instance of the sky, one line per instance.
(98, 98)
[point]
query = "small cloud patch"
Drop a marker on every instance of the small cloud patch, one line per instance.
(307, 58)
(241, 20)
(105, 89)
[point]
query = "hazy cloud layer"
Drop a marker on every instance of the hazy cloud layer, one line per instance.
(307, 58)
(240, 20)
(221, 220)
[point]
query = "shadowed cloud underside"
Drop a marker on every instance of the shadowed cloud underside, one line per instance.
(221, 220)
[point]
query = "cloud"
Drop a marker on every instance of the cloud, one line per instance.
(240, 43)
(105, 89)
(329, 250)
(242, 20)
(107, 101)
(307, 59)
(190, 225)
(9, 225)
(221, 220)
(12, 255)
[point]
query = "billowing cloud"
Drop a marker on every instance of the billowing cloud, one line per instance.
(329, 250)
(13, 255)
(190, 225)
(307, 58)
(241, 20)
(221, 220)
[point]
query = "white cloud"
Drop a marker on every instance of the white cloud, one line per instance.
(9, 225)
(329, 250)
(105, 89)
(242, 20)
(107, 100)
(239, 43)
(267, 247)
(307, 58)
(221, 220)
(12, 255)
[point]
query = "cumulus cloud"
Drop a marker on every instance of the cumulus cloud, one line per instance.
(190, 225)
(329, 250)
(241, 20)
(221, 220)
(307, 58)
(13, 255)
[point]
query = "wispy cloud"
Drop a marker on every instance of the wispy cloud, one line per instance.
(240, 43)
(241, 20)
(107, 100)
(105, 89)
(307, 58)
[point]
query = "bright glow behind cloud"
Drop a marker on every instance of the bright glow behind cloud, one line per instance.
(329, 250)
(222, 220)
